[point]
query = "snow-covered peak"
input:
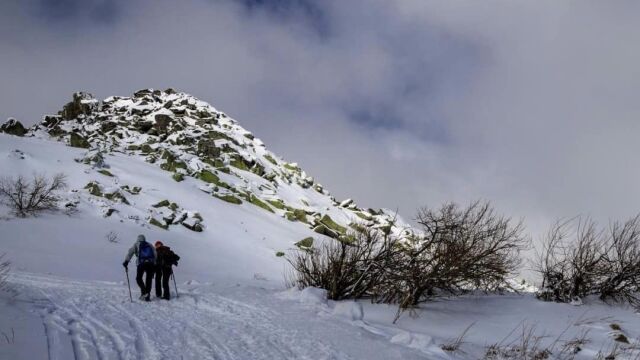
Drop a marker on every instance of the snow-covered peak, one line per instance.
(191, 139)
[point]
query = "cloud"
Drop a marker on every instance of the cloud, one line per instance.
(398, 104)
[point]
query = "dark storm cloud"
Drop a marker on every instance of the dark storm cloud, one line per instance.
(395, 103)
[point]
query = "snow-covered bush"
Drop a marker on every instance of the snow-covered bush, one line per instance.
(29, 197)
(578, 259)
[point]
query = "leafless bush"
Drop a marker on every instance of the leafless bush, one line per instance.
(29, 197)
(578, 259)
(462, 249)
(112, 237)
(345, 269)
(4, 272)
(454, 344)
(527, 346)
(9, 338)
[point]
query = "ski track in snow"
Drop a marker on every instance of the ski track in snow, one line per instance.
(96, 320)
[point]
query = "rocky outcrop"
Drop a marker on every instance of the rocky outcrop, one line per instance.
(83, 104)
(13, 127)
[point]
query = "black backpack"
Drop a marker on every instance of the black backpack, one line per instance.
(166, 257)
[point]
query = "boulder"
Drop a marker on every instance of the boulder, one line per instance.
(162, 122)
(78, 141)
(13, 127)
(82, 104)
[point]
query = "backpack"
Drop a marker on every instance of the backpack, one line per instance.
(145, 253)
(166, 257)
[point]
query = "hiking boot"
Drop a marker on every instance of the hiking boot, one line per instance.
(166, 298)
(147, 298)
(142, 296)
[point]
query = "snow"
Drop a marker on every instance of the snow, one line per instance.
(69, 295)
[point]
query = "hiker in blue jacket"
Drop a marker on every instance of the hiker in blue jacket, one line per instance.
(146, 264)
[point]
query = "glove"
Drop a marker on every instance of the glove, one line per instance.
(126, 265)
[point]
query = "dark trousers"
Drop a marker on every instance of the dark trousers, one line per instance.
(147, 271)
(163, 273)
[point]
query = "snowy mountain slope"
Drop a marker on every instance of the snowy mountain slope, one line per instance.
(71, 299)
(192, 140)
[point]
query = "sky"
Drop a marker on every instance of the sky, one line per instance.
(400, 104)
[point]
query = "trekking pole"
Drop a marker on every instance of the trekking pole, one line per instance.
(173, 275)
(126, 270)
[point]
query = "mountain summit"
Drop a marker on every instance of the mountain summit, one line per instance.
(190, 139)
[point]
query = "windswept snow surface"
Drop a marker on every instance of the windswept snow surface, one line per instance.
(68, 296)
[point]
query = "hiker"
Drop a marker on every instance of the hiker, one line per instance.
(146, 265)
(166, 258)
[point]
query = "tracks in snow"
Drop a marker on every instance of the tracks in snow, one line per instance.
(93, 320)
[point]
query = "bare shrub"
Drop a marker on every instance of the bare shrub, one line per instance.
(577, 259)
(621, 276)
(461, 249)
(4, 272)
(10, 338)
(454, 344)
(29, 197)
(351, 269)
(112, 237)
(527, 346)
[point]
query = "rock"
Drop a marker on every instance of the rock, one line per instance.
(346, 203)
(162, 122)
(305, 243)
(13, 127)
(192, 224)
(78, 141)
(83, 104)
(142, 93)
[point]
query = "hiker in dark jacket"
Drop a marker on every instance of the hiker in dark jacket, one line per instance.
(146, 265)
(166, 258)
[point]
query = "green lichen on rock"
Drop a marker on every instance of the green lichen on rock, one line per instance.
(296, 215)
(208, 176)
(347, 239)
(270, 159)
(211, 178)
(240, 163)
(117, 196)
(145, 148)
(292, 167)
(279, 254)
(94, 189)
(173, 165)
(163, 203)
(105, 172)
(178, 177)
(278, 204)
(78, 141)
(321, 229)
(329, 223)
(256, 201)
(215, 135)
(229, 198)
(305, 243)
(157, 223)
